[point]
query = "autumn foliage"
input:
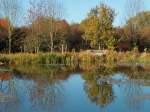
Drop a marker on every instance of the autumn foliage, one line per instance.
(3, 27)
(96, 31)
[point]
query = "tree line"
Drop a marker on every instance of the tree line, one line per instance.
(47, 31)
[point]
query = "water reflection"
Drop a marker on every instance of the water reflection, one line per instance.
(99, 91)
(133, 90)
(99, 85)
(133, 87)
(46, 97)
(43, 88)
(46, 92)
(8, 94)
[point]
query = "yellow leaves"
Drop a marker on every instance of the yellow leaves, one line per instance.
(90, 24)
(98, 25)
(91, 28)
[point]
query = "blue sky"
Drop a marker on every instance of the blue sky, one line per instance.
(76, 10)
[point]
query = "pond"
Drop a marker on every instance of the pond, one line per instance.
(74, 89)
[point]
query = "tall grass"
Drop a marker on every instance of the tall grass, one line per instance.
(75, 58)
(41, 58)
(128, 57)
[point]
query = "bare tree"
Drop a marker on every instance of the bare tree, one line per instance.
(35, 12)
(132, 8)
(48, 10)
(53, 11)
(10, 9)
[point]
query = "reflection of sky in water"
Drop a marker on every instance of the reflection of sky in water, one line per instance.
(70, 96)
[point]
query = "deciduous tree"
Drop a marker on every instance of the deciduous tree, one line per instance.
(98, 27)
(10, 9)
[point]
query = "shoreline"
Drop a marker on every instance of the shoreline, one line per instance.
(72, 58)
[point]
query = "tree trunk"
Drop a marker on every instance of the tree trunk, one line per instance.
(62, 48)
(66, 48)
(99, 47)
(52, 42)
(9, 41)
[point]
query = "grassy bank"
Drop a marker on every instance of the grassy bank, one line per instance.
(41, 58)
(75, 58)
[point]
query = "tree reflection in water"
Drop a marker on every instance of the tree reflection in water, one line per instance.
(99, 92)
(8, 95)
(133, 86)
(41, 88)
(46, 96)
(133, 89)
(46, 91)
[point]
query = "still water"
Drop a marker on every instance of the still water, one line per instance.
(69, 89)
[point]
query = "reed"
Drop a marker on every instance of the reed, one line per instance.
(112, 57)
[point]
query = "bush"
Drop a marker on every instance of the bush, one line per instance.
(4, 60)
